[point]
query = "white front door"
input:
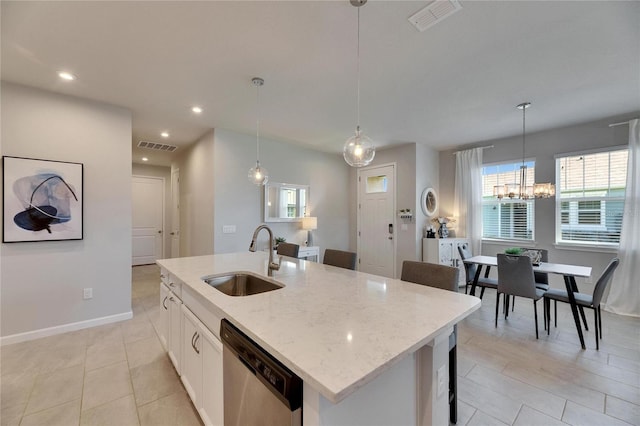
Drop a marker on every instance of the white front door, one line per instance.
(175, 213)
(148, 218)
(376, 220)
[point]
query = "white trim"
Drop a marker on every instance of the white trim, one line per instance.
(592, 151)
(59, 329)
(586, 247)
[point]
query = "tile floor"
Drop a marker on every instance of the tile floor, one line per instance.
(118, 374)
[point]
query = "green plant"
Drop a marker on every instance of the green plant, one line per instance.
(280, 240)
(513, 250)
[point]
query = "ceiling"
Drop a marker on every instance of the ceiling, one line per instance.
(453, 84)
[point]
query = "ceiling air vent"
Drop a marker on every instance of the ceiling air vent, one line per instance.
(435, 12)
(157, 146)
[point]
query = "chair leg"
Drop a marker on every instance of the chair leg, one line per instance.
(506, 305)
(555, 313)
(482, 292)
(453, 385)
(535, 316)
(600, 321)
(547, 307)
(513, 303)
(595, 320)
(584, 318)
(497, 306)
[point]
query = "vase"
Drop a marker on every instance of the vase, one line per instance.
(443, 231)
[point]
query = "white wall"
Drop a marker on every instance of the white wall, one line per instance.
(42, 282)
(543, 146)
(215, 192)
(197, 178)
(416, 168)
(165, 173)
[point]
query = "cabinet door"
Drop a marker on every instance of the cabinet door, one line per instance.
(192, 356)
(446, 253)
(165, 317)
(212, 401)
(175, 339)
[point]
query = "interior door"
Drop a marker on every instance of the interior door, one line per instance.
(175, 212)
(148, 218)
(376, 220)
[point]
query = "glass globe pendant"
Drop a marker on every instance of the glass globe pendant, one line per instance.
(258, 175)
(359, 150)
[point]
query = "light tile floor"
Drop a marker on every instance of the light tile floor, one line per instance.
(118, 374)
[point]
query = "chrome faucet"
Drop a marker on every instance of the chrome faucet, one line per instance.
(272, 265)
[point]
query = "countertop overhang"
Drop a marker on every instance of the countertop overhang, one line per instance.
(335, 328)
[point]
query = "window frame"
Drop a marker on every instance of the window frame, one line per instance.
(559, 226)
(531, 205)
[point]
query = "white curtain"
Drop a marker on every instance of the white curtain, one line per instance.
(467, 205)
(624, 295)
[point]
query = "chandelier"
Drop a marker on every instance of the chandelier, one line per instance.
(520, 189)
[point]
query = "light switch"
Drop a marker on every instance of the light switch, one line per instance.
(228, 229)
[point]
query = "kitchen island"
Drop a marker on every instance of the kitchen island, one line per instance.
(369, 349)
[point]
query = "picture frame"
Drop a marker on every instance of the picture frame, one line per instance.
(42, 200)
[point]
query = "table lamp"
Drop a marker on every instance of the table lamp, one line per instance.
(309, 223)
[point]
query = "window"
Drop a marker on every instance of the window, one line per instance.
(506, 219)
(590, 197)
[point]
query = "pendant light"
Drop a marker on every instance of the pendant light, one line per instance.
(258, 175)
(521, 190)
(358, 150)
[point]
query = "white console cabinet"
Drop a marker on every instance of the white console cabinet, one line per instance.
(444, 251)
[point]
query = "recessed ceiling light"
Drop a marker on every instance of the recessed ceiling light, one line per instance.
(164, 134)
(145, 159)
(196, 109)
(66, 76)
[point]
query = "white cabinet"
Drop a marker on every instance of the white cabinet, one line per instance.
(170, 320)
(444, 251)
(202, 368)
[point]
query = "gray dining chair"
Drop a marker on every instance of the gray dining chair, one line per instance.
(515, 278)
(542, 278)
(288, 249)
(340, 258)
(471, 269)
(446, 278)
(582, 300)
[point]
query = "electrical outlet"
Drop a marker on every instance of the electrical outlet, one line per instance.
(87, 293)
(228, 229)
(441, 377)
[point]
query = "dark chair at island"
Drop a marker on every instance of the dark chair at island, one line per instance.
(582, 300)
(288, 249)
(339, 258)
(446, 278)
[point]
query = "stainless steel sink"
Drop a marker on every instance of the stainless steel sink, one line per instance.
(241, 283)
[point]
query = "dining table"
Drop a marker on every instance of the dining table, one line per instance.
(569, 273)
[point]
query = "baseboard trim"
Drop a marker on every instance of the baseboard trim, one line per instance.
(59, 329)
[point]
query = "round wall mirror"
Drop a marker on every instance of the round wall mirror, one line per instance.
(429, 202)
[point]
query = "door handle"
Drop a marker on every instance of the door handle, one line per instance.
(195, 343)
(159, 232)
(163, 305)
(391, 228)
(172, 233)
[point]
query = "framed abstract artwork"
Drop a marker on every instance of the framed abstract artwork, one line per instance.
(42, 200)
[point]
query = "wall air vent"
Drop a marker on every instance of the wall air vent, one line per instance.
(157, 146)
(435, 12)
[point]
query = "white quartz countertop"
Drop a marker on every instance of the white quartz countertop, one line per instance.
(335, 328)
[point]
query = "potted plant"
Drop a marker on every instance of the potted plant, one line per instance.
(514, 251)
(279, 240)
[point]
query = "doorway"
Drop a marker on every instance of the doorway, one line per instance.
(147, 220)
(376, 220)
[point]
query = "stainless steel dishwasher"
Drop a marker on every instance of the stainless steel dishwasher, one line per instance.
(258, 389)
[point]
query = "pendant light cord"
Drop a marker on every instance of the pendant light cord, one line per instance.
(523, 134)
(358, 70)
(258, 124)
